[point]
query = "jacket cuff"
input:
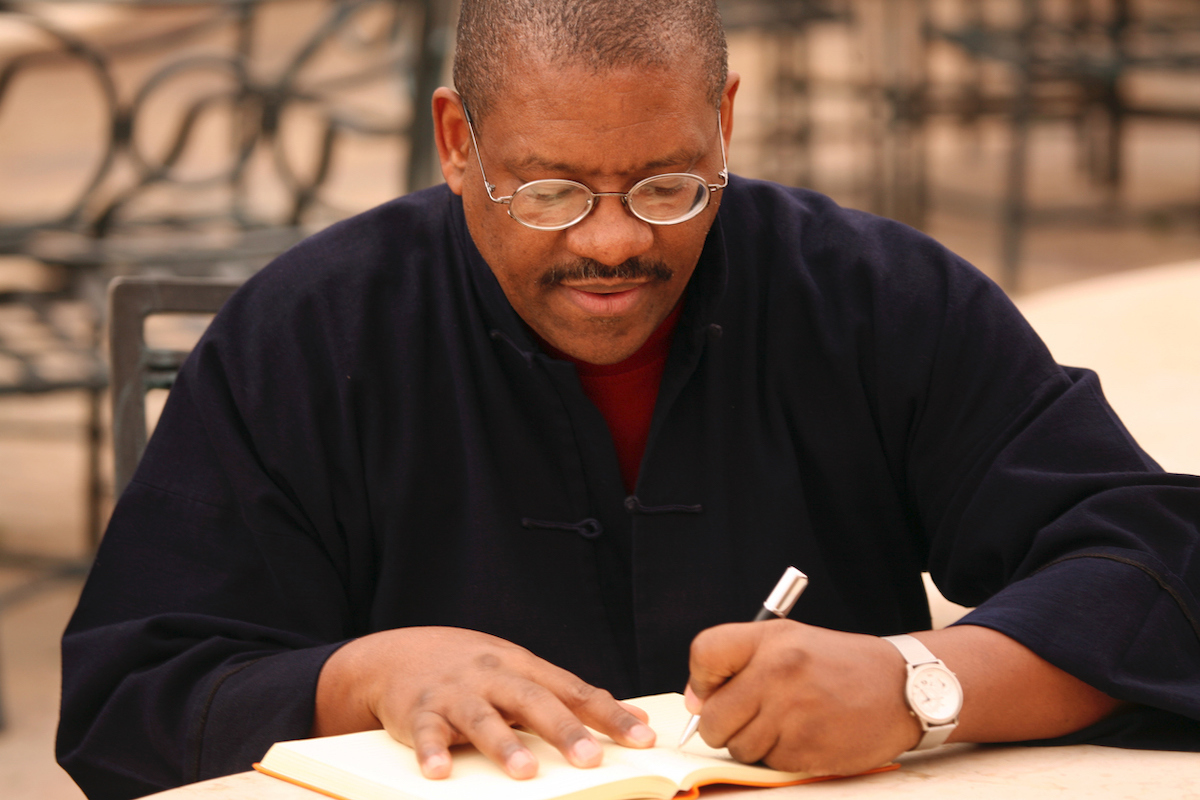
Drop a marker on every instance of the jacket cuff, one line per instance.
(251, 706)
(1116, 620)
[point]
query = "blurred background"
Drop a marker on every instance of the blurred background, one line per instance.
(1053, 143)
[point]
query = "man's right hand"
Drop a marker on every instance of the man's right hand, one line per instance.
(431, 688)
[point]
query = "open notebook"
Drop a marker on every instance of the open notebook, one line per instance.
(373, 766)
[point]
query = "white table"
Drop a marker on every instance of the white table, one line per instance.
(1140, 331)
(961, 772)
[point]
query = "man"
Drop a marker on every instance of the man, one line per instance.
(499, 451)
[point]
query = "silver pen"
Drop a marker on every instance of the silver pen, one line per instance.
(778, 604)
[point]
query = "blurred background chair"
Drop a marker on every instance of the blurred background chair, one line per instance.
(1007, 115)
(1095, 65)
(794, 84)
(208, 136)
(835, 106)
(139, 365)
(198, 138)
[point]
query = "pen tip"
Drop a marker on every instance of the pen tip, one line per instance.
(689, 731)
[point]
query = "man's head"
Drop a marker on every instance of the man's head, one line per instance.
(497, 38)
(607, 94)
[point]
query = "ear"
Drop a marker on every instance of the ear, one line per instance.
(731, 86)
(452, 136)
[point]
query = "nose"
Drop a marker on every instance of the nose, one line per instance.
(609, 234)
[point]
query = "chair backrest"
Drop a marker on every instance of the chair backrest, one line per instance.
(135, 366)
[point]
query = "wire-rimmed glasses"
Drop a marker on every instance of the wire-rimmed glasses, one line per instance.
(552, 204)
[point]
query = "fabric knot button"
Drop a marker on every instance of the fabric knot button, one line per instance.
(587, 528)
(635, 506)
(714, 332)
(590, 528)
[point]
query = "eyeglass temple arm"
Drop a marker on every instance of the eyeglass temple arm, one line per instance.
(490, 187)
(724, 173)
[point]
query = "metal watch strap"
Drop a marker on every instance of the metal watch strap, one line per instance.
(917, 654)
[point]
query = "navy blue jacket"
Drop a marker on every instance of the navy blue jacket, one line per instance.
(367, 438)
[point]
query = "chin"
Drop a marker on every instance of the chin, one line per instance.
(605, 355)
(602, 344)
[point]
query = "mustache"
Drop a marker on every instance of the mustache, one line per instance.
(590, 269)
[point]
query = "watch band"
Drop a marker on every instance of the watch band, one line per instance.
(917, 655)
(913, 651)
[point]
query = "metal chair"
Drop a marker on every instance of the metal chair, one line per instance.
(1066, 61)
(136, 366)
(226, 131)
(48, 344)
(211, 135)
(794, 124)
(841, 110)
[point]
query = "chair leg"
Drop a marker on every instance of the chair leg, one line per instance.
(3, 707)
(95, 479)
(1012, 224)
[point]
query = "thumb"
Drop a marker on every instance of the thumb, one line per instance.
(717, 654)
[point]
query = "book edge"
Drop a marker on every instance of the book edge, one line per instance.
(694, 792)
(258, 767)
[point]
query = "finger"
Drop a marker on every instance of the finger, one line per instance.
(719, 653)
(640, 713)
(624, 723)
(537, 708)
(432, 736)
(754, 740)
(731, 711)
(483, 726)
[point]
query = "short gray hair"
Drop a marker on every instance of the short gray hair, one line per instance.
(494, 36)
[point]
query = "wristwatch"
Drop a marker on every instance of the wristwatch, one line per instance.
(933, 693)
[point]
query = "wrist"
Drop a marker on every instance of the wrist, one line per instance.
(932, 692)
(340, 704)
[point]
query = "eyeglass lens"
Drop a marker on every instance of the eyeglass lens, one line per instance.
(662, 199)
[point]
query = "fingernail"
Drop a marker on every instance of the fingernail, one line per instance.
(690, 701)
(521, 764)
(586, 752)
(436, 766)
(642, 734)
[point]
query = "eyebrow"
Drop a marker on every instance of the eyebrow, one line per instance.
(534, 162)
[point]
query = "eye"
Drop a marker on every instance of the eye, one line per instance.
(668, 188)
(549, 192)
(672, 186)
(548, 196)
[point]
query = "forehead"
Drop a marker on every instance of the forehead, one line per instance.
(607, 122)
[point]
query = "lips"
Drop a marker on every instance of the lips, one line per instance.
(605, 301)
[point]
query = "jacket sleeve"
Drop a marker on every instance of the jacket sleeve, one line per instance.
(1038, 506)
(223, 581)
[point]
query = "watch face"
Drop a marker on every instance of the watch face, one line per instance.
(934, 693)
